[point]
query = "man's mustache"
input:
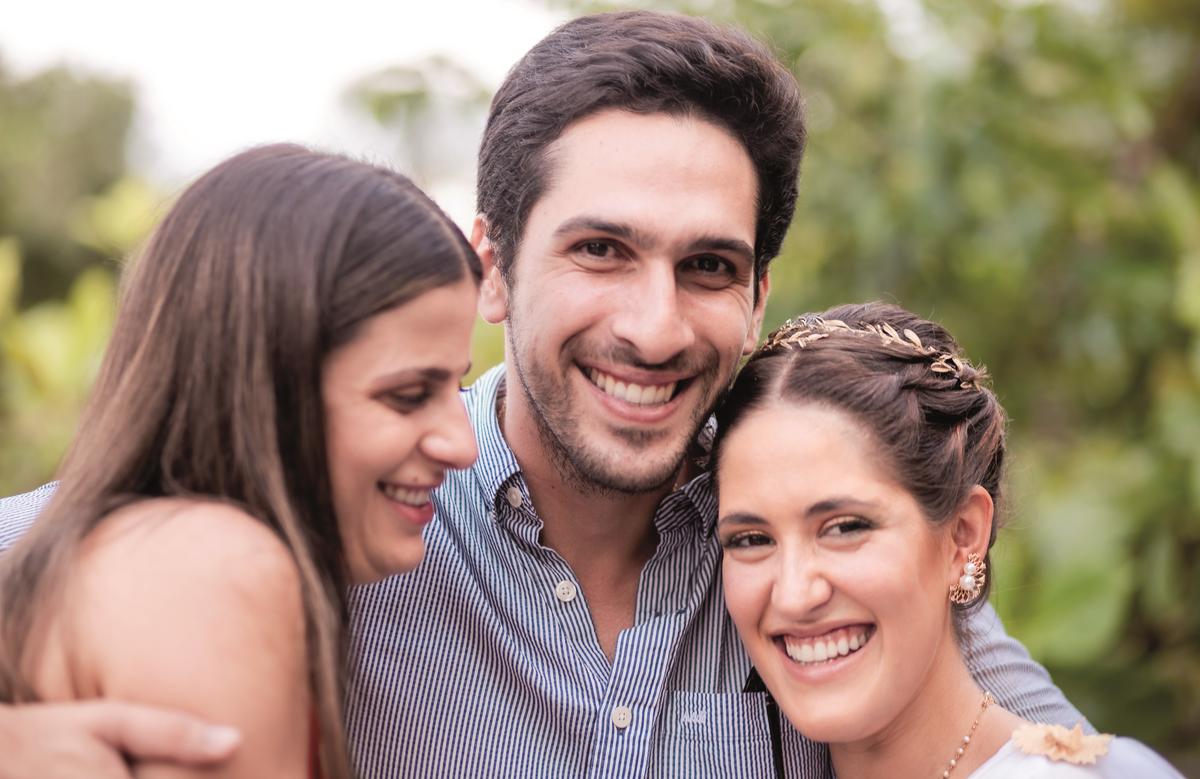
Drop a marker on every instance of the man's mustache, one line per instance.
(689, 362)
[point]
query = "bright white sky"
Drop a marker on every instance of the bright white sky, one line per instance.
(215, 77)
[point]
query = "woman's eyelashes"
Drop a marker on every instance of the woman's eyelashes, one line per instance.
(408, 399)
(840, 527)
(846, 526)
(745, 540)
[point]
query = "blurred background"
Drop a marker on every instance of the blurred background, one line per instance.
(1026, 172)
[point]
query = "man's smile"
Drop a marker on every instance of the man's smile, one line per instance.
(637, 393)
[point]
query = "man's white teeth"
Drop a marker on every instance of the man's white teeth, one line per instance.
(638, 394)
(408, 497)
(832, 645)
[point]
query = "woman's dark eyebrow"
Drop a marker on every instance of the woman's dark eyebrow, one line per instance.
(831, 505)
(741, 518)
(822, 507)
(433, 375)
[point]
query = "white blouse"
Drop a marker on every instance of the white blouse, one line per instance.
(1125, 758)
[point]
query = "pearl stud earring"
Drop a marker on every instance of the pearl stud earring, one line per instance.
(970, 584)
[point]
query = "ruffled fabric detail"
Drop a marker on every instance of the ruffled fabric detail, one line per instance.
(1058, 743)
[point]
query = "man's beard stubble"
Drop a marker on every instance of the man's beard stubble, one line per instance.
(574, 462)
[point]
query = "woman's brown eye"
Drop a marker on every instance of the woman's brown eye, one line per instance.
(847, 526)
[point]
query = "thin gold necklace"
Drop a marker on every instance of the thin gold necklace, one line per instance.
(988, 700)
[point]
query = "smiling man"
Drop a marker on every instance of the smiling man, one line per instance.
(631, 297)
(636, 177)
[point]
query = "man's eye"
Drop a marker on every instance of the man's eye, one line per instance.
(597, 249)
(746, 540)
(711, 271)
(710, 264)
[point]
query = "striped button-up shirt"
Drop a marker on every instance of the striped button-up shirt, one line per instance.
(484, 662)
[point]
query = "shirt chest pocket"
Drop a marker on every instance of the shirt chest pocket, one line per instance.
(715, 735)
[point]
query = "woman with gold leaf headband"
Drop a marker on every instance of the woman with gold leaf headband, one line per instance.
(859, 461)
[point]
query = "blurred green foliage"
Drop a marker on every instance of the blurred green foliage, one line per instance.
(62, 142)
(68, 210)
(1027, 173)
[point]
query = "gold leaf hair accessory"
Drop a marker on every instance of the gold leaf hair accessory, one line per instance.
(1058, 743)
(801, 332)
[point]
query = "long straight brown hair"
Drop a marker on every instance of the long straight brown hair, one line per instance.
(211, 383)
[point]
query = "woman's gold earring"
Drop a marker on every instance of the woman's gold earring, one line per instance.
(970, 584)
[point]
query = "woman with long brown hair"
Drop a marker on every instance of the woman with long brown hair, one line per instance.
(279, 397)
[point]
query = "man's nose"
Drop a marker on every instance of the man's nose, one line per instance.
(652, 318)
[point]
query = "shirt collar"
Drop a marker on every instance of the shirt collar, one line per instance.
(497, 465)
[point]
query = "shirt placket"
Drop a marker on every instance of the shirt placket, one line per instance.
(633, 699)
(627, 696)
(555, 579)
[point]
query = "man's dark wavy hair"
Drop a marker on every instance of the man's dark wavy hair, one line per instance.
(644, 62)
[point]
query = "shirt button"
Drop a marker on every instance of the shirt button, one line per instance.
(621, 717)
(565, 591)
(514, 496)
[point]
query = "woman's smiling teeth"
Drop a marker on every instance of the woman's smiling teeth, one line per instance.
(638, 394)
(830, 646)
(406, 496)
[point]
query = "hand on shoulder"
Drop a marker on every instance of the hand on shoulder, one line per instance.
(92, 738)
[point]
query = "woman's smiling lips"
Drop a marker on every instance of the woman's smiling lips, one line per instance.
(412, 503)
(813, 655)
(827, 646)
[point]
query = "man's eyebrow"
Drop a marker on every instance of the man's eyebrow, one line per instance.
(705, 243)
(741, 518)
(595, 224)
(716, 243)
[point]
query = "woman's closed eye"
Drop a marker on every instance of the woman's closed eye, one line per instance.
(408, 400)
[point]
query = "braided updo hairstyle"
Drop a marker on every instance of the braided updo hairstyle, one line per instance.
(940, 429)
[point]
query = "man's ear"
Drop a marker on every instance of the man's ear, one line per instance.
(493, 292)
(760, 308)
(969, 531)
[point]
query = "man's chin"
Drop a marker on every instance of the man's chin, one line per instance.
(635, 483)
(627, 470)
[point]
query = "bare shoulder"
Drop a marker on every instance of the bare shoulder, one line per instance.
(217, 542)
(196, 606)
(173, 566)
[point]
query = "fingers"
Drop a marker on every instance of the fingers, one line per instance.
(147, 733)
(92, 739)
